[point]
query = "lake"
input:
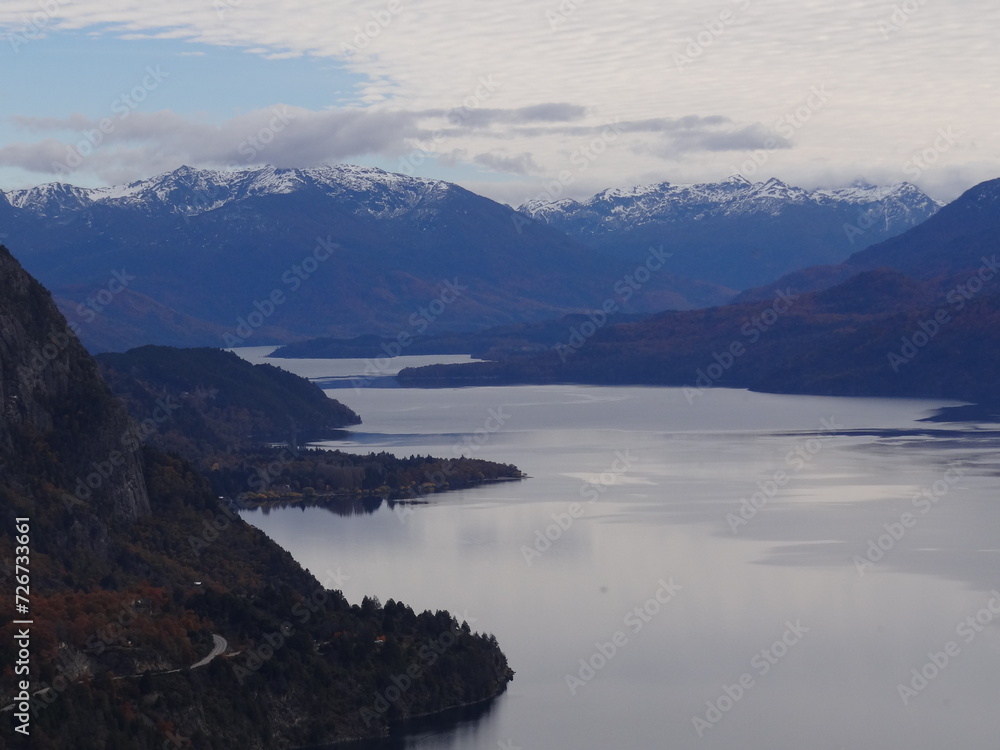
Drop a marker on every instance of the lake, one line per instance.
(733, 570)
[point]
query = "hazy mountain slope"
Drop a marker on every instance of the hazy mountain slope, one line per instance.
(950, 243)
(272, 255)
(944, 249)
(501, 340)
(881, 332)
(737, 233)
(852, 344)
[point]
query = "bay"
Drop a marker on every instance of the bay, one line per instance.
(641, 608)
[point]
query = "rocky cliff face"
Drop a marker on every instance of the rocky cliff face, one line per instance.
(60, 427)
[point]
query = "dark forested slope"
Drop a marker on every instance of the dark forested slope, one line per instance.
(137, 572)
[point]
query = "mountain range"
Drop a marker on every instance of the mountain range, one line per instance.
(269, 255)
(939, 251)
(739, 233)
(200, 257)
(917, 315)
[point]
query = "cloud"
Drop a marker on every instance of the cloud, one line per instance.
(133, 143)
(721, 137)
(34, 157)
(672, 137)
(892, 82)
(515, 164)
(481, 117)
(562, 112)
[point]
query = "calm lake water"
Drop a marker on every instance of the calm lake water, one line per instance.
(641, 609)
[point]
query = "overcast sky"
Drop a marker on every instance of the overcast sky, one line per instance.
(515, 99)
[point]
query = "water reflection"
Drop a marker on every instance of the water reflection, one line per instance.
(346, 506)
(456, 729)
(666, 516)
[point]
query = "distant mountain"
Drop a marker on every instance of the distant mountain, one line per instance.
(198, 257)
(950, 243)
(488, 344)
(864, 337)
(737, 233)
(943, 250)
(931, 331)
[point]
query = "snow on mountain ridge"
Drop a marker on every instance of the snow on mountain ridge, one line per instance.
(737, 196)
(54, 194)
(193, 191)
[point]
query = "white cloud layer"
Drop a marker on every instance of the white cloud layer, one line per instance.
(894, 75)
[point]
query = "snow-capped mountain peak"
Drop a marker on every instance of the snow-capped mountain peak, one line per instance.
(51, 198)
(616, 209)
(192, 191)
